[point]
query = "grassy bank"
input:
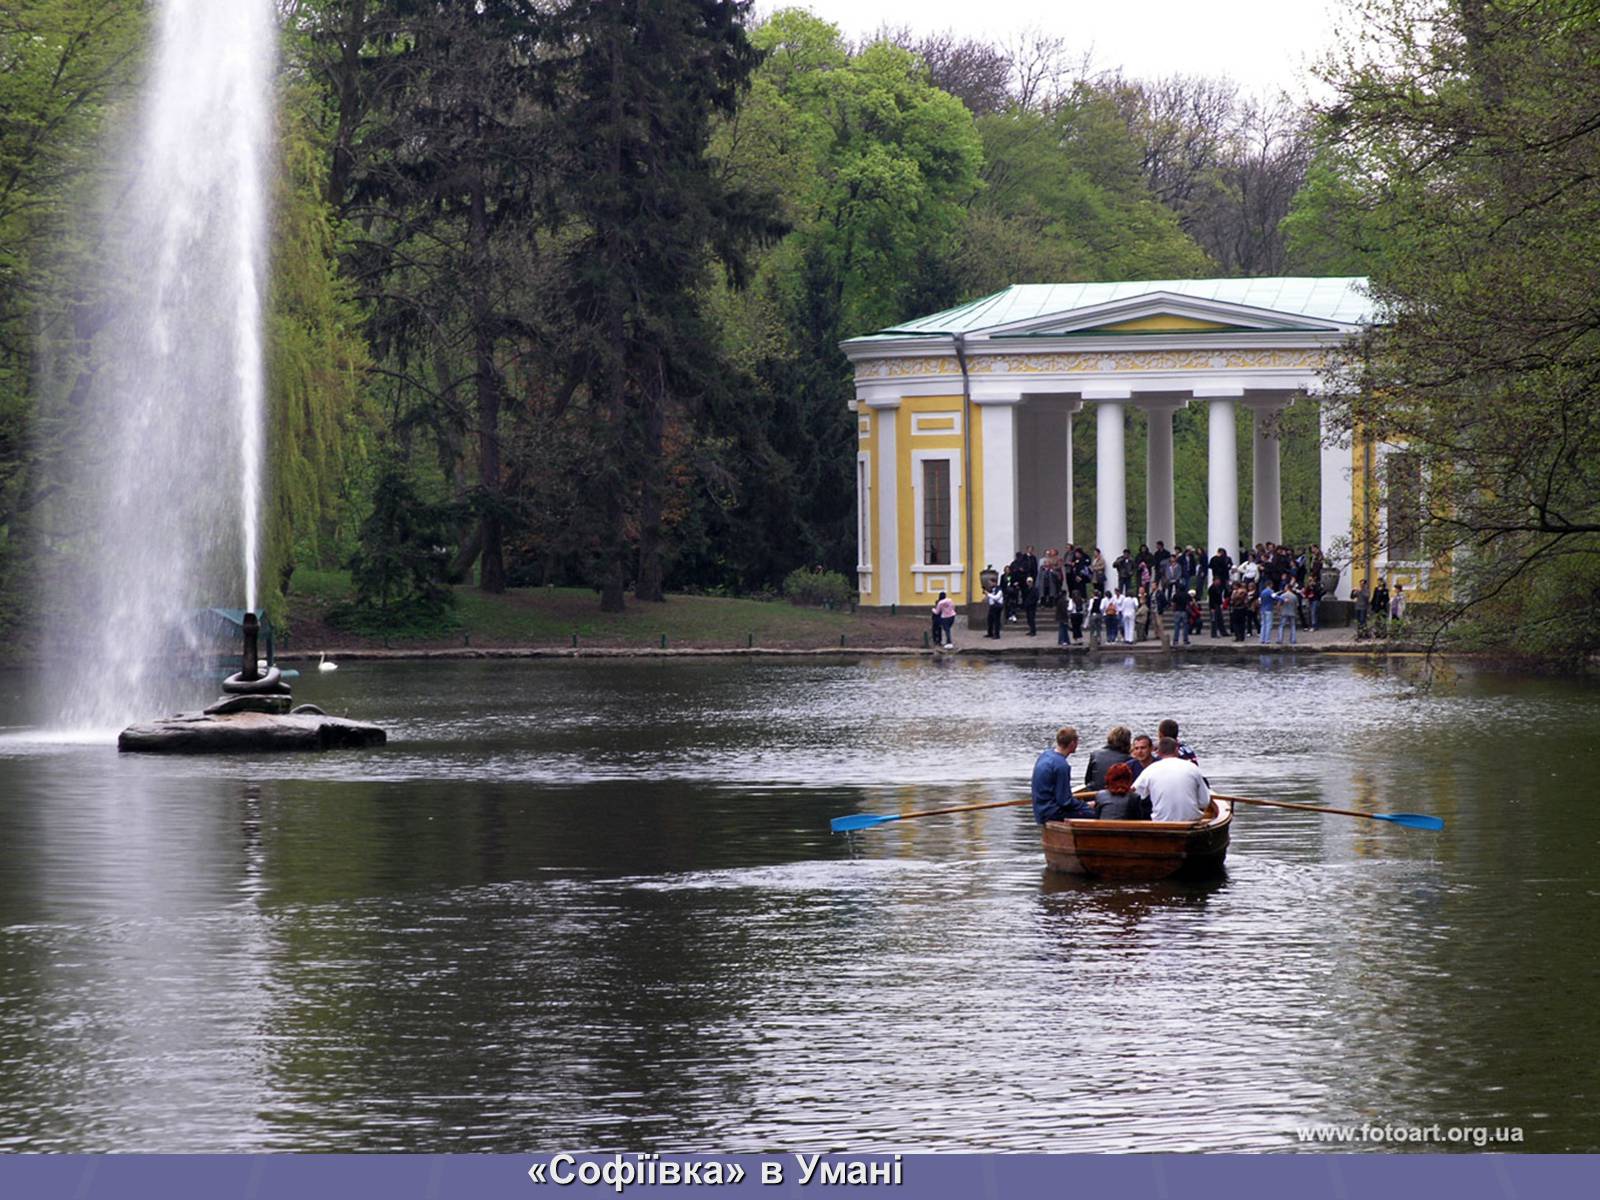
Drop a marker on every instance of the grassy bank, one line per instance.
(554, 616)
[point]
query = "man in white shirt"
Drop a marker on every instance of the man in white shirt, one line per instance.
(1175, 788)
(1129, 607)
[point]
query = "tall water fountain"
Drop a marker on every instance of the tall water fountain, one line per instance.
(171, 428)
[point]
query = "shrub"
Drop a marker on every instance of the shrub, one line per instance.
(822, 588)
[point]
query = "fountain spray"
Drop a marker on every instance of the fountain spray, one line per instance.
(172, 441)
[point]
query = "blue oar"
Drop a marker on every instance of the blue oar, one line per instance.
(868, 820)
(1409, 820)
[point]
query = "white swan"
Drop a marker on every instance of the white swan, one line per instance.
(324, 665)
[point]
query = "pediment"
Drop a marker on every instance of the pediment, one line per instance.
(1161, 313)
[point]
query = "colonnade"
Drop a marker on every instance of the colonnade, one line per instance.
(1006, 526)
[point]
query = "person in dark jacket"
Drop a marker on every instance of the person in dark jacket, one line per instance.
(1030, 606)
(1169, 729)
(1380, 609)
(1064, 611)
(1116, 750)
(1052, 782)
(995, 601)
(1117, 801)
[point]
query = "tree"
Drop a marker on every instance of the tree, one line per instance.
(876, 168)
(1227, 165)
(1065, 200)
(975, 72)
(399, 564)
(64, 66)
(316, 363)
(644, 214)
(441, 172)
(1469, 146)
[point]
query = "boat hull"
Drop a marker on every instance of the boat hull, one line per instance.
(1140, 850)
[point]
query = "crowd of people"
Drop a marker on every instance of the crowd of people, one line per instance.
(1135, 778)
(1269, 589)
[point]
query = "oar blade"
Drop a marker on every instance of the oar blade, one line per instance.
(1411, 820)
(858, 821)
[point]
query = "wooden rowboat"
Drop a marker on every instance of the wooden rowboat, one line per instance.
(1138, 850)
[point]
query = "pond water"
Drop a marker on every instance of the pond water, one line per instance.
(596, 904)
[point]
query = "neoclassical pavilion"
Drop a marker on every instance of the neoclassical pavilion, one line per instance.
(965, 419)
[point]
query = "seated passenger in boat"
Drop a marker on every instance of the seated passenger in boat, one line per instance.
(1169, 728)
(1117, 801)
(1144, 753)
(1114, 751)
(1052, 782)
(1175, 788)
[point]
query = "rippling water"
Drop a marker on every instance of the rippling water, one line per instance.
(597, 905)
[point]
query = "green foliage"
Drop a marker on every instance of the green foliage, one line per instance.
(64, 66)
(583, 269)
(880, 166)
(1466, 148)
(815, 587)
(1545, 613)
(1329, 229)
(399, 568)
(875, 168)
(1065, 201)
(647, 217)
(316, 364)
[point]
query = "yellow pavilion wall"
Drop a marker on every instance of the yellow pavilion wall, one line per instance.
(924, 590)
(1429, 585)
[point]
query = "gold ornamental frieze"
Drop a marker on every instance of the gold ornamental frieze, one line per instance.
(1097, 363)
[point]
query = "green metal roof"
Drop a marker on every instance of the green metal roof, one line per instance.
(1340, 299)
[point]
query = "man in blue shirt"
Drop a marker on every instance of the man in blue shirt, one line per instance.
(1269, 603)
(1052, 782)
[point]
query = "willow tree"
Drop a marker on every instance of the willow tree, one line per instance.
(65, 65)
(316, 363)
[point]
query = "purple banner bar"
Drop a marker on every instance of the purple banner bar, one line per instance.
(827, 1177)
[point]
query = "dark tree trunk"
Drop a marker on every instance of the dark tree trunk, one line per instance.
(466, 555)
(491, 564)
(347, 87)
(613, 574)
(651, 486)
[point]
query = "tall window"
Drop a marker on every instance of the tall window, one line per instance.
(936, 511)
(1405, 514)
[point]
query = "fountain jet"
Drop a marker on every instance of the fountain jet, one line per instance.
(168, 408)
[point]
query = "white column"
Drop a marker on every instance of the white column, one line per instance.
(1110, 478)
(1071, 536)
(1161, 521)
(1222, 501)
(885, 413)
(1338, 500)
(1266, 499)
(999, 492)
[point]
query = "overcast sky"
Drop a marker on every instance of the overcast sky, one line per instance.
(1264, 45)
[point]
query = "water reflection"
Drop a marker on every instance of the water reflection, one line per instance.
(598, 905)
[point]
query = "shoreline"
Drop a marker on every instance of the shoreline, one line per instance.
(1230, 649)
